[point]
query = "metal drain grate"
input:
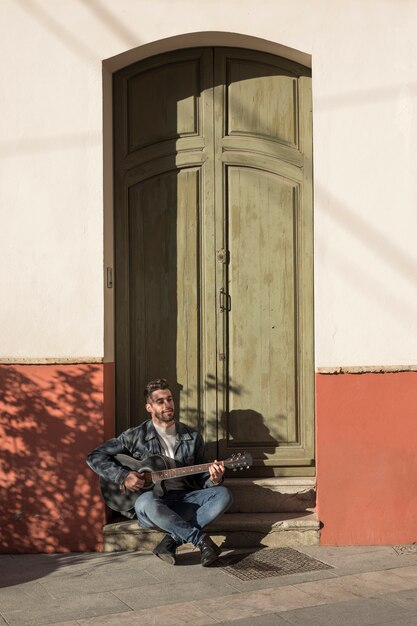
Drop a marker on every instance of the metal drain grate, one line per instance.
(269, 562)
(407, 549)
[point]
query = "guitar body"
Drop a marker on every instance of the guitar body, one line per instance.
(119, 500)
(155, 470)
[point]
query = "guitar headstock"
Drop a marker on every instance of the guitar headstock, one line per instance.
(239, 460)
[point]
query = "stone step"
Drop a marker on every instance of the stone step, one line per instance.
(232, 530)
(272, 495)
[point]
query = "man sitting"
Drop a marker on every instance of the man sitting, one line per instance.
(189, 505)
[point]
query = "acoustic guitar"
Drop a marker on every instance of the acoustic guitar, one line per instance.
(155, 470)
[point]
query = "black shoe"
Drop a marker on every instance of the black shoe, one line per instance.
(209, 551)
(166, 549)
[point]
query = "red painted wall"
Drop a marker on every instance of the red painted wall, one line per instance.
(367, 458)
(50, 417)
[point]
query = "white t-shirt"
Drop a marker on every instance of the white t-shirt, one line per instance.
(168, 441)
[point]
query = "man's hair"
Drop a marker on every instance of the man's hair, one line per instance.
(155, 385)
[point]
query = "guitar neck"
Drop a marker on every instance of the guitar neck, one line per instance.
(177, 472)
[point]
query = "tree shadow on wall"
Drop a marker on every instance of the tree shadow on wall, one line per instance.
(51, 417)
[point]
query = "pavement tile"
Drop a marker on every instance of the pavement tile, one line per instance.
(76, 607)
(254, 603)
(345, 588)
(269, 619)
(23, 568)
(353, 556)
(109, 563)
(29, 566)
(349, 584)
(327, 591)
(15, 576)
(94, 604)
(371, 565)
(387, 581)
(345, 552)
(404, 599)
(5, 563)
(170, 615)
(95, 580)
(361, 612)
(16, 596)
(406, 572)
(35, 615)
(162, 593)
(363, 585)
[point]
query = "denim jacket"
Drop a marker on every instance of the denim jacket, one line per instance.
(141, 442)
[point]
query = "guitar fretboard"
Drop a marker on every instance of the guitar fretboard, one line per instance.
(180, 471)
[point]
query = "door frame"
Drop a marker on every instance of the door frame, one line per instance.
(109, 67)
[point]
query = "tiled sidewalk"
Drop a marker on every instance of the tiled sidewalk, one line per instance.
(367, 585)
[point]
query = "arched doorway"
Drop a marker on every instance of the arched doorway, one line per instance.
(213, 249)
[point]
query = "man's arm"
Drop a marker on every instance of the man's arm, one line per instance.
(216, 470)
(101, 460)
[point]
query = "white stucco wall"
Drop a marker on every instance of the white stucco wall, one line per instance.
(51, 147)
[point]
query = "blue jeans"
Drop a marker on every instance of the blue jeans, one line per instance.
(183, 514)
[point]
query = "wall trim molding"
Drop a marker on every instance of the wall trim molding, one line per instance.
(367, 369)
(342, 369)
(52, 361)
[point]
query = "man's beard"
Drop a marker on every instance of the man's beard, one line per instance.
(165, 419)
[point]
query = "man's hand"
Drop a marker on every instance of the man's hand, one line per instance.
(216, 470)
(134, 481)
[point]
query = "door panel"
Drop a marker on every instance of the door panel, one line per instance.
(261, 330)
(163, 296)
(272, 97)
(171, 106)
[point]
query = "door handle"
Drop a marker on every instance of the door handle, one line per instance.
(225, 301)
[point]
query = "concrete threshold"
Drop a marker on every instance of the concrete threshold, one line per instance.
(232, 530)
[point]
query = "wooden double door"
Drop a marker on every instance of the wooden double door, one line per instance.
(213, 249)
